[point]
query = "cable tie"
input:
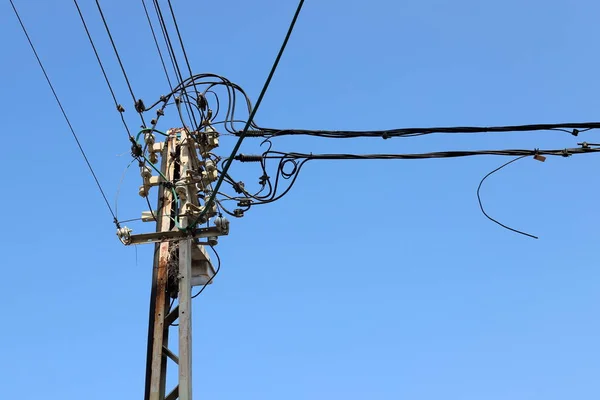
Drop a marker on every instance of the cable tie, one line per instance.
(120, 108)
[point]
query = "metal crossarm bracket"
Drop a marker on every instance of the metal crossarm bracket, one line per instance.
(171, 236)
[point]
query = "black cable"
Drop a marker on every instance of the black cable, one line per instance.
(112, 42)
(187, 61)
(414, 156)
(117, 105)
(173, 57)
(65, 115)
(212, 277)
(168, 42)
(572, 128)
(290, 165)
(162, 61)
(252, 114)
(481, 205)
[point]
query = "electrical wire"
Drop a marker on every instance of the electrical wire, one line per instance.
(481, 205)
(187, 61)
(117, 105)
(572, 128)
(112, 42)
(251, 117)
(290, 164)
(116, 222)
(414, 156)
(162, 61)
(212, 277)
(173, 57)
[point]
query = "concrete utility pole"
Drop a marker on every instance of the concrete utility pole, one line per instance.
(180, 260)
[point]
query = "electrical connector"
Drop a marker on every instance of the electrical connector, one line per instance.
(139, 106)
(210, 141)
(244, 202)
(148, 216)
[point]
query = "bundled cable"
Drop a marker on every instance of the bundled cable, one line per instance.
(572, 128)
(289, 165)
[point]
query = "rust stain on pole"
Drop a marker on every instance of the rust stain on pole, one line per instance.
(160, 336)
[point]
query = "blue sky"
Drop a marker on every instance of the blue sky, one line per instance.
(378, 280)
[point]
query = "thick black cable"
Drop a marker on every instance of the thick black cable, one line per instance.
(415, 156)
(481, 205)
(187, 61)
(168, 42)
(162, 61)
(112, 92)
(173, 57)
(112, 42)
(572, 128)
(290, 164)
(64, 114)
(252, 114)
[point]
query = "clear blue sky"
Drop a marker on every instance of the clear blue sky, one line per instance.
(370, 280)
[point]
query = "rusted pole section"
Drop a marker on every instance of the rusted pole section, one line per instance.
(156, 366)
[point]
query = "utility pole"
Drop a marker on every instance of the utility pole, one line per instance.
(180, 259)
